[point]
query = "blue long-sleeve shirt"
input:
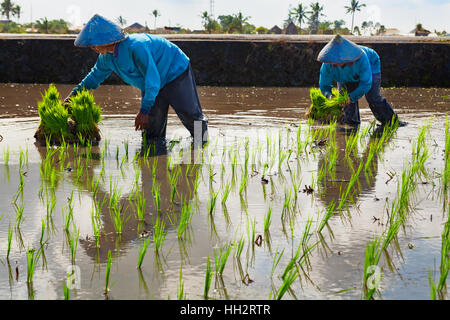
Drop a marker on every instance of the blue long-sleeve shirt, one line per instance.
(361, 70)
(147, 62)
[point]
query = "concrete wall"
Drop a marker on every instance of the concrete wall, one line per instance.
(229, 60)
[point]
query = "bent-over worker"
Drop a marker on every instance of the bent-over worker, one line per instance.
(152, 64)
(357, 69)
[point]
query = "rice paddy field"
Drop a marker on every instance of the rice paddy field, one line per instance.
(273, 207)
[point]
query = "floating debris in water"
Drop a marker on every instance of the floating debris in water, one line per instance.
(308, 189)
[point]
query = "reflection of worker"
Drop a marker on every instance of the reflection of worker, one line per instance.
(151, 63)
(358, 69)
(346, 168)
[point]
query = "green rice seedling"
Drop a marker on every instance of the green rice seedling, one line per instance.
(173, 179)
(445, 261)
(239, 247)
(66, 291)
(180, 288)
(288, 280)
(244, 183)
(88, 153)
(371, 154)
(108, 273)
(117, 154)
(208, 279)
(95, 186)
(371, 258)
(433, 289)
(329, 212)
(73, 242)
(50, 204)
(19, 191)
(268, 219)
(86, 114)
(351, 143)
(32, 259)
(96, 227)
(137, 175)
(6, 155)
(212, 201)
(142, 251)
(118, 218)
(287, 202)
(19, 215)
(226, 193)
(251, 231)
(126, 147)
(221, 257)
(420, 151)
(276, 261)
(305, 240)
(10, 234)
(156, 190)
(185, 217)
(140, 205)
(350, 186)
(159, 233)
(43, 225)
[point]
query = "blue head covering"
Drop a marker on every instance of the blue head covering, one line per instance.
(99, 31)
(340, 50)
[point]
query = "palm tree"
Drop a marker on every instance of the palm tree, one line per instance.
(8, 8)
(156, 14)
(338, 24)
(354, 6)
(316, 13)
(239, 21)
(43, 25)
(121, 21)
(300, 14)
(209, 23)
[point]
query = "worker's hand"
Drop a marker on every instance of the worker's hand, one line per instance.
(141, 121)
(347, 103)
(66, 101)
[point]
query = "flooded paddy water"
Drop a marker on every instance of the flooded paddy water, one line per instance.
(272, 207)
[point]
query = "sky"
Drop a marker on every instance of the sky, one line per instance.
(400, 14)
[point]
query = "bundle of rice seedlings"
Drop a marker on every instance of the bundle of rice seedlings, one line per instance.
(327, 110)
(86, 115)
(54, 117)
(74, 123)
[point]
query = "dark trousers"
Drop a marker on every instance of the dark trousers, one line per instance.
(182, 95)
(379, 106)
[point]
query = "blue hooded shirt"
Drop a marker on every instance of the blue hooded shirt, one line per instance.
(361, 70)
(147, 62)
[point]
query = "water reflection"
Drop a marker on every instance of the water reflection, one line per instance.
(165, 188)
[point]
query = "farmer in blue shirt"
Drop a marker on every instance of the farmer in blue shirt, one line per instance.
(152, 64)
(357, 69)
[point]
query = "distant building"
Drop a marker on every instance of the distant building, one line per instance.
(291, 29)
(5, 21)
(174, 29)
(136, 28)
(422, 33)
(391, 32)
(275, 30)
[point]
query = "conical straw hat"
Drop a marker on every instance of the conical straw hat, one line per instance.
(340, 50)
(99, 31)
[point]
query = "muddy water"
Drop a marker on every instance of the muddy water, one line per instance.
(336, 263)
